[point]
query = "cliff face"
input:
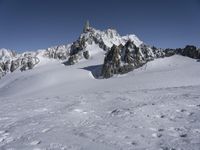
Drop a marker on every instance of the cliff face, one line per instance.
(122, 59)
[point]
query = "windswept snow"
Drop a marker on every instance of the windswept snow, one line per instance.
(57, 107)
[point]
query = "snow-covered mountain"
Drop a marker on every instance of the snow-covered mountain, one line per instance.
(52, 106)
(90, 43)
(122, 53)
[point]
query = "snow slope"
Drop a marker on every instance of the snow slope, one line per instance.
(57, 107)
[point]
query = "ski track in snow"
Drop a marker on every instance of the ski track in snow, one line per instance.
(128, 112)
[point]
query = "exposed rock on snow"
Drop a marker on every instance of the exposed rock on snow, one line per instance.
(122, 59)
(73, 53)
(10, 61)
(189, 51)
(123, 53)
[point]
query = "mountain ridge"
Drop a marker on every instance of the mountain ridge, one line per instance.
(132, 52)
(27, 60)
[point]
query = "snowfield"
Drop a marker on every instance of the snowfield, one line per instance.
(57, 107)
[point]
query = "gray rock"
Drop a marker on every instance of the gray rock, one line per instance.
(111, 62)
(86, 54)
(72, 60)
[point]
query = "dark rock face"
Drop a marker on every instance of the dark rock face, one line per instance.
(159, 53)
(7, 66)
(29, 63)
(2, 72)
(128, 56)
(14, 65)
(132, 54)
(169, 52)
(86, 54)
(126, 68)
(189, 51)
(107, 71)
(123, 59)
(77, 47)
(101, 44)
(72, 60)
(111, 62)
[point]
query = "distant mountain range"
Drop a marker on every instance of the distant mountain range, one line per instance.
(122, 53)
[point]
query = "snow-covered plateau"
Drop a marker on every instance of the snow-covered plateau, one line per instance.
(65, 107)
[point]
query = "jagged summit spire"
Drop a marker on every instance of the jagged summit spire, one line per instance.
(86, 26)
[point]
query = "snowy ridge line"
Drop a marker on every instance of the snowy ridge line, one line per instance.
(122, 53)
(11, 61)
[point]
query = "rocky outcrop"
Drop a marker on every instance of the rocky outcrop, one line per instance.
(169, 52)
(104, 39)
(61, 52)
(132, 54)
(86, 54)
(189, 51)
(77, 46)
(10, 61)
(14, 65)
(123, 59)
(111, 62)
(123, 53)
(72, 60)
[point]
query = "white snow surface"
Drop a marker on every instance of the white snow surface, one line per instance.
(57, 107)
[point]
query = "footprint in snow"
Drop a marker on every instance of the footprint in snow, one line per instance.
(35, 143)
(153, 129)
(183, 135)
(196, 131)
(46, 130)
(80, 111)
(41, 110)
(190, 113)
(160, 116)
(133, 143)
(181, 110)
(5, 137)
(156, 135)
(159, 130)
(2, 139)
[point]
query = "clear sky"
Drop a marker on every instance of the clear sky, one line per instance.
(35, 24)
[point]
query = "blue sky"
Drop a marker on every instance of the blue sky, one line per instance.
(35, 24)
